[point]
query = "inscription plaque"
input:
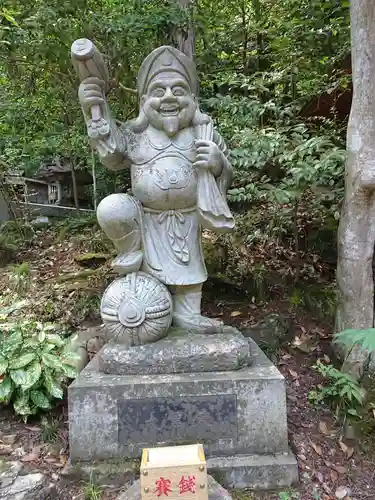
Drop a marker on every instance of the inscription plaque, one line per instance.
(163, 420)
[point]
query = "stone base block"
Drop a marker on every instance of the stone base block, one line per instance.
(258, 472)
(215, 491)
(181, 352)
(233, 413)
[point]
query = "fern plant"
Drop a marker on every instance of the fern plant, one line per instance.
(350, 338)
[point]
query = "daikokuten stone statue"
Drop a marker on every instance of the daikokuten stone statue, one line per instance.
(180, 173)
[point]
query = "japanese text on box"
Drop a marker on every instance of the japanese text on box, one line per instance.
(174, 473)
(185, 485)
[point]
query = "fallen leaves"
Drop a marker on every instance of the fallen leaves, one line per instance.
(317, 454)
(293, 373)
(334, 476)
(341, 492)
(33, 428)
(285, 357)
(346, 449)
(322, 334)
(340, 469)
(305, 343)
(326, 359)
(319, 476)
(317, 448)
(30, 457)
(323, 428)
(5, 449)
(9, 438)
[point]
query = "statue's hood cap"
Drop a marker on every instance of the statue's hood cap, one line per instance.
(166, 59)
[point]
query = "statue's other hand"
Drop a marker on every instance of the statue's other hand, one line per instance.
(208, 157)
(91, 92)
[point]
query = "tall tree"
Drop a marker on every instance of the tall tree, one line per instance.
(356, 235)
(184, 34)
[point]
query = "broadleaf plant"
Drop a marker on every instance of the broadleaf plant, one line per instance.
(35, 362)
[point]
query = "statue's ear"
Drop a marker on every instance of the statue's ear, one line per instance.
(143, 100)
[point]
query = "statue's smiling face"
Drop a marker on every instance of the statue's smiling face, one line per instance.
(169, 103)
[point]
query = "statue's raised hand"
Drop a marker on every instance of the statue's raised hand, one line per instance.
(209, 157)
(91, 92)
(91, 97)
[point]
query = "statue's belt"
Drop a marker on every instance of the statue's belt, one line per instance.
(177, 231)
(170, 214)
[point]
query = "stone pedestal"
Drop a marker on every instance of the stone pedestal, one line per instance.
(239, 417)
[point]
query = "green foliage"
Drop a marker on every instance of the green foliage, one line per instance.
(259, 64)
(285, 495)
(20, 278)
(342, 392)
(7, 249)
(74, 225)
(350, 338)
(13, 234)
(92, 491)
(286, 165)
(41, 115)
(50, 430)
(18, 230)
(318, 299)
(35, 360)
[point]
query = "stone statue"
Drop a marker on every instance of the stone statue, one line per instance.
(180, 173)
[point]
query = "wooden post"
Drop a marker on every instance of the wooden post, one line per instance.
(74, 185)
(93, 165)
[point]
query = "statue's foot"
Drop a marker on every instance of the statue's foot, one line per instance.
(198, 323)
(128, 263)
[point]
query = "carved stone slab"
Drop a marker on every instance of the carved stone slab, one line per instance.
(181, 352)
(154, 420)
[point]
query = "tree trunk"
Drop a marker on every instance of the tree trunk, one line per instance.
(185, 36)
(245, 35)
(356, 235)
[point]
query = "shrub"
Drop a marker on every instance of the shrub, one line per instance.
(35, 361)
(7, 249)
(341, 392)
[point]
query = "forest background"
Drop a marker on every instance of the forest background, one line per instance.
(265, 67)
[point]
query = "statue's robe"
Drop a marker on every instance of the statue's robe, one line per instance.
(175, 203)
